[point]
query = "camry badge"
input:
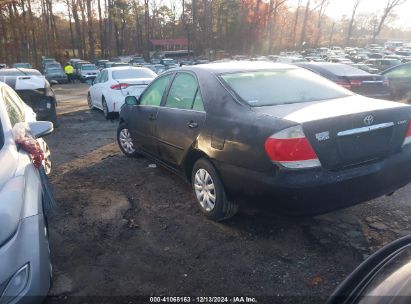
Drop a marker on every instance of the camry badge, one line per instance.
(323, 136)
(368, 120)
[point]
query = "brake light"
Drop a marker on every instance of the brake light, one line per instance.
(355, 83)
(119, 86)
(291, 149)
(407, 139)
(344, 84)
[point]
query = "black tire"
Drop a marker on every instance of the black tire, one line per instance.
(89, 102)
(127, 152)
(223, 208)
(53, 115)
(107, 114)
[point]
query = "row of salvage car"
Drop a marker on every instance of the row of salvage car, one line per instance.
(265, 131)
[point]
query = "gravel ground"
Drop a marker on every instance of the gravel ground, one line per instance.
(123, 228)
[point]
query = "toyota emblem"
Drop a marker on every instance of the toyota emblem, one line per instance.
(368, 120)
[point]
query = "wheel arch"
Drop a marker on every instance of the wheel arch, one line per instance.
(192, 156)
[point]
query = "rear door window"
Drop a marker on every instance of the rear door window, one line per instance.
(154, 94)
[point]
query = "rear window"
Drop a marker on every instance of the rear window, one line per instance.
(88, 67)
(133, 73)
(18, 72)
(269, 88)
(344, 70)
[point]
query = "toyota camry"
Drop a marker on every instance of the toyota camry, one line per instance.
(269, 132)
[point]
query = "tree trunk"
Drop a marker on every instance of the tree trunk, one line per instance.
(77, 25)
(92, 53)
(100, 23)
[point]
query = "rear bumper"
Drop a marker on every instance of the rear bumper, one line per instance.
(27, 247)
(315, 191)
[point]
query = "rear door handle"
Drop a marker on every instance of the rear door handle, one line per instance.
(192, 125)
(152, 117)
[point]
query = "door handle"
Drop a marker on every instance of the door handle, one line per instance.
(152, 117)
(192, 125)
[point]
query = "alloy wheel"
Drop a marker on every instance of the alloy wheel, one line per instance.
(205, 190)
(126, 141)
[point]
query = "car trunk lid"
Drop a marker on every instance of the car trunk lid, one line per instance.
(349, 131)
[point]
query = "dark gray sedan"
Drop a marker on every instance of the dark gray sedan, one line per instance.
(270, 132)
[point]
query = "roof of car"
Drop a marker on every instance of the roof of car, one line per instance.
(13, 71)
(237, 66)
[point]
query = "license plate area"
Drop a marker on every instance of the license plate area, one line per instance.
(365, 144)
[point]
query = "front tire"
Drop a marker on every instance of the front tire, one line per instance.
(209, 192)
(124, 141)
(90, 102)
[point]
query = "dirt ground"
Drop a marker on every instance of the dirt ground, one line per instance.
(123, 228)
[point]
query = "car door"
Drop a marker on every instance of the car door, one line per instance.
(98, 89)
(143, 117)
(180, 119)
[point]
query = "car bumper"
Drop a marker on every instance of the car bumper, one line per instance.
(315, 191)
(27, 247)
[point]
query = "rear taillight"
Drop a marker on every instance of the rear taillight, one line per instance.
(344, 84)
(291, 149)
(407, 139)
(119, 86)
(355, 83)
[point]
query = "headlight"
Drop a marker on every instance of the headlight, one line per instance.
(17, 283)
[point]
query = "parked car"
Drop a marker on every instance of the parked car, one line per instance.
(73, 61)
(34, 89)
(112, 85)
(137, 60)
(87, 72)
(400, 80)
(169, 63)
(384, 277)
(22, 65)
(44, 61)
(290, 59)
(55, 74)
(77, 67)
(356, 80)
(25, 267)
(100, 63)
(382, 64)
(271, 132)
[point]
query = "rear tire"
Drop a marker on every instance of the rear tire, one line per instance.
(107, 113)
(209, 192)
(124, 141)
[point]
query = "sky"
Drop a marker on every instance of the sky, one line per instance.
(338, 8)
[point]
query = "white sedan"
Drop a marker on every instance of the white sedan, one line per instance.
(113, 85)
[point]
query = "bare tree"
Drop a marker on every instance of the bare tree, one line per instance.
(272, 17)
(351, 24)
(391, 4)
(304, 27)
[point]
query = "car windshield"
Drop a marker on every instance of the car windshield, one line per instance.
(54, 71)
(133, 73)
(88, 67)
(269, 88)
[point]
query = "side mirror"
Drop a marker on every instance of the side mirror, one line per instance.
(132, 101)
(41, 128)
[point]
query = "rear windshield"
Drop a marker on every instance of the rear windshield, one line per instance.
(344, 70)
(269, 88)
(88, 67)
(133, 73)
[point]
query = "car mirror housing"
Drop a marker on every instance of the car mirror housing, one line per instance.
(132, 101)
(41, 128)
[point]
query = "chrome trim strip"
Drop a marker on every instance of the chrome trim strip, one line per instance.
(365, 129)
